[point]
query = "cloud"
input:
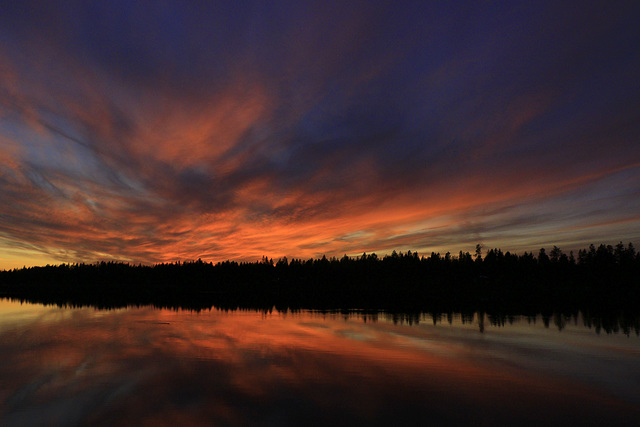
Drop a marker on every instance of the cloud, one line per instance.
(178, 132)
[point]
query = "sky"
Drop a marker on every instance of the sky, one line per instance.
(166, 131)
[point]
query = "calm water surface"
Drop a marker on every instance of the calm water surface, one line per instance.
(147, 366)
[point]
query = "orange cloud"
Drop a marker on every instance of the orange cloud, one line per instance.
(343, 130)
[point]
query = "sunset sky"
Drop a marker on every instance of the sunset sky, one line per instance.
(177, 130)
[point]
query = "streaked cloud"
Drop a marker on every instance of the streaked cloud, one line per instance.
(178, 131)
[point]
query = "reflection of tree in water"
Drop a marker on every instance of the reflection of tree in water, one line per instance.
(602, 282)
(613, 322)
(559, 320)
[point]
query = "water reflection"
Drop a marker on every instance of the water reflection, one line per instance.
(82, 366)
(610, 321)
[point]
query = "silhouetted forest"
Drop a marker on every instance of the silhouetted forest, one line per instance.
(603, 279)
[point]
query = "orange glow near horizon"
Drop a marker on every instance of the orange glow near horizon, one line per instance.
(399, 224)
(253, 142)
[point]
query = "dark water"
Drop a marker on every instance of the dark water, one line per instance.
(146, 366)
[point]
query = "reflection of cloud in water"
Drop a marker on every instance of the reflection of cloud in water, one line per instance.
(353, 334)
(164, 367)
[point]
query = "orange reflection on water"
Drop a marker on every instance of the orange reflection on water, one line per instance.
(244, 367)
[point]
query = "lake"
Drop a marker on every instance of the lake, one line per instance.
(149, 366)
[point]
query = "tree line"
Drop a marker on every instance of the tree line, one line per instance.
(594, 279)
